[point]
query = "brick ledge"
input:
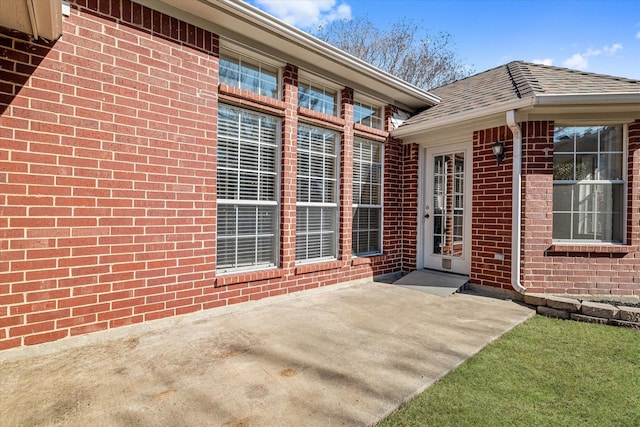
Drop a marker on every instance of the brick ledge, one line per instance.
(249, 276)
(592, 248)
(368, 259)
(322, 266)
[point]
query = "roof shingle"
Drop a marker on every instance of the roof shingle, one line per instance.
(518, 80)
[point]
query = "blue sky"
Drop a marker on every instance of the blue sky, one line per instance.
(589, 35)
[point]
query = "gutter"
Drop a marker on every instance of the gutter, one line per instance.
(516, 203)
(588, 98)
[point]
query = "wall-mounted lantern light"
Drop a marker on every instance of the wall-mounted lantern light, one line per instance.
(498, 150)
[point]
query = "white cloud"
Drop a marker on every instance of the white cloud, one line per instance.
(579, 60)
(592, 52)
(611, 50)
(305, 13)
(638, 35)
(576, 61)
(545, 61)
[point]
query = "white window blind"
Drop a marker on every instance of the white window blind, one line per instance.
(247, 189)
(317, 194)
(367, 197)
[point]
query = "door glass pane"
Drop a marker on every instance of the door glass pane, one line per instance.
(448, 206)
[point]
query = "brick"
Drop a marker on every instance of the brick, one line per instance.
(75, 321)
(32, 328)
(85, 329)
(7, 321)
(46, 337)
(6, 344)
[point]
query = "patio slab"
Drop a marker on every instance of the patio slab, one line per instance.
(344, 356)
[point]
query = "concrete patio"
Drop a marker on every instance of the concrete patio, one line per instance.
(345, 355)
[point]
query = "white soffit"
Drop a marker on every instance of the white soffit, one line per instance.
(245, 24)
(38, 18)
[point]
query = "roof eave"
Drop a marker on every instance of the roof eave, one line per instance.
(265, 29)
(576, 99)
(464, 116)
(321, 47)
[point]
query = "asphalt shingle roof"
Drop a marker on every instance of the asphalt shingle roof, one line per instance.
(518, 80)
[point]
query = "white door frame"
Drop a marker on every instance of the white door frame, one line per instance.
(425, 184)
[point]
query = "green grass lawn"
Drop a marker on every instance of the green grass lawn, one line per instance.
(545, 372)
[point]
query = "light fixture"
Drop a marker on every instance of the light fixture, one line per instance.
(498, 149)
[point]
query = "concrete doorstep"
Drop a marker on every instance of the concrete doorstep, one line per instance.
(349, 356)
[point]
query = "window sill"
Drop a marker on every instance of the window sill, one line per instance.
(359, 128)
(233, 278)
(321, 266)
(576, 248)
(245, 98)
(367, 259)
(321, 118)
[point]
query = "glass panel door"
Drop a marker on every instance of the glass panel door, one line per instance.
(448, 205)
(447, 221)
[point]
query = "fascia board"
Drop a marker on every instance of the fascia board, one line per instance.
(459, 118)
(588, 98)
(48, 17)
(542, 104)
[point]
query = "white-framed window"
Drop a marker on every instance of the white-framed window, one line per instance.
(247, 189)
(589, 186)
(317, 194)
(247, 73)
(367, 197)
(318, 97)
(367, 114)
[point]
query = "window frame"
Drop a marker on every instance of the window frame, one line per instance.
(622, 183)
(323, 206)
(239, 202)
(318, 87)
(366, 102)
(249, 57)
(379, 206)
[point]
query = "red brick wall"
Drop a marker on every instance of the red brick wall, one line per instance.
(108, 200)
(571, 269)
(491, 212)
(410, 198)
(633, 196)
(107, 178)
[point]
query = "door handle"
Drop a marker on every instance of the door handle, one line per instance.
(426, 215)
